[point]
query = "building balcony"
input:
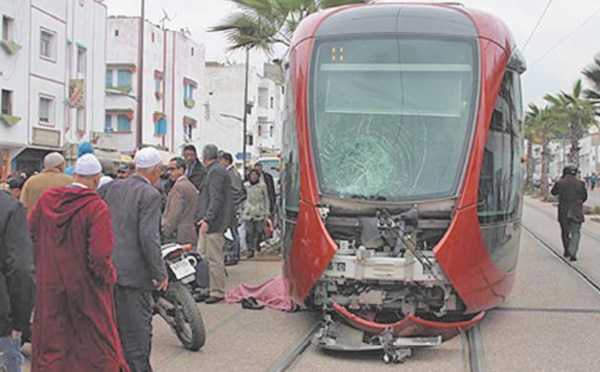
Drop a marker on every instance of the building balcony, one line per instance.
(9, 120)
(10, 47)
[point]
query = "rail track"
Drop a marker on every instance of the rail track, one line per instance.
(549, 247)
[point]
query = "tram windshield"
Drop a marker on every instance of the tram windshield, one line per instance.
(392, 117)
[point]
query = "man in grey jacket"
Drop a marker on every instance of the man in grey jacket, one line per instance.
(135, 206)
(216, 211)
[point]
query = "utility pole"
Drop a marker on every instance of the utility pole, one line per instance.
(140, 81)
(245, 119)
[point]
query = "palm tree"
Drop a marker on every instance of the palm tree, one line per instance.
(532, 119)
(262, 24)
(592, 73)
(542, 125)
(579, 113)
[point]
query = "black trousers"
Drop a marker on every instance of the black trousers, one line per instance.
(254, 233)
(570, 234)
(134, 321)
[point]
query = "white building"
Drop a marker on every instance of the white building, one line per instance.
(225, 110)
(173, 89)
(270, 110)
(51, 74)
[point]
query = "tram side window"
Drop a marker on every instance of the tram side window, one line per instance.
(500, 179)
(290, 175)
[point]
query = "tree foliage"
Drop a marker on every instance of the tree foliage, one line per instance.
(262, 24)
(592, 73)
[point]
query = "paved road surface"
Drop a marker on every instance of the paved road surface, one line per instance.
(594, 197)
(551, 321)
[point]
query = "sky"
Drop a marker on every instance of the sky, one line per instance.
(553, 67)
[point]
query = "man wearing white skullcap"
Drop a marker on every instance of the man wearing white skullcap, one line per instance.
(135, 206)
(73, 246)
(52, 176)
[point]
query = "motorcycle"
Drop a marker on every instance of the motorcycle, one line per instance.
(176, 305)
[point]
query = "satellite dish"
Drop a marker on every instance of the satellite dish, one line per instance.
(166, 18)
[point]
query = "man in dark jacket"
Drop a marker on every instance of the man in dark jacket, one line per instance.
(194, 169)
(16, 278)
(216, 213)
(238, 194)
(269, 182)
(571, 196)
(135, 206)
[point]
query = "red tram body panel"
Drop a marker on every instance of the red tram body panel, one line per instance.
(431, 93)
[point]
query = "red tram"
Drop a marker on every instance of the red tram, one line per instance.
(401, 166)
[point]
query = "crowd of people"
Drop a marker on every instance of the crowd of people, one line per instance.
(90, 241)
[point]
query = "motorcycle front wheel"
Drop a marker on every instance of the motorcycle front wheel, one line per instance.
(187, 324)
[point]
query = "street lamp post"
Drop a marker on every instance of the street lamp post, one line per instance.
(245, 119)
(140, 102)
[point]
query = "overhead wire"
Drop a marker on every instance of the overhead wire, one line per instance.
(537, 24)
(588, 19)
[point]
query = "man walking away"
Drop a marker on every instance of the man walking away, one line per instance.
(571, 196)
(238, 194)
(181, 211)
(135, 212)
(256, 210)
(268, 181)
(16, 278)
(194, 169)
(74, 325)
(52, 176)
(216, 210)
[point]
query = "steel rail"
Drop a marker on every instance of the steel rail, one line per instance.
(288, 359)
(475, 359)
(548, 247)
(583, 229)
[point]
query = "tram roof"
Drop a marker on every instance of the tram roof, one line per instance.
(407, 18)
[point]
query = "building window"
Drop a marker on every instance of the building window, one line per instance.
(271, 131)
(123, 123)
(124, 78)
(153, 37)
(250, 139)
(189, 86)
(81, 60)
(109, 78)
(108, 124)
(80, 119)
(188, 91)
(160, 127)
(7, 28)
(272, 100)
(263, 98)
(192, 51)
(47, 44)
(116, 32)
(7, 97)
(158, 84)
(46, 110)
